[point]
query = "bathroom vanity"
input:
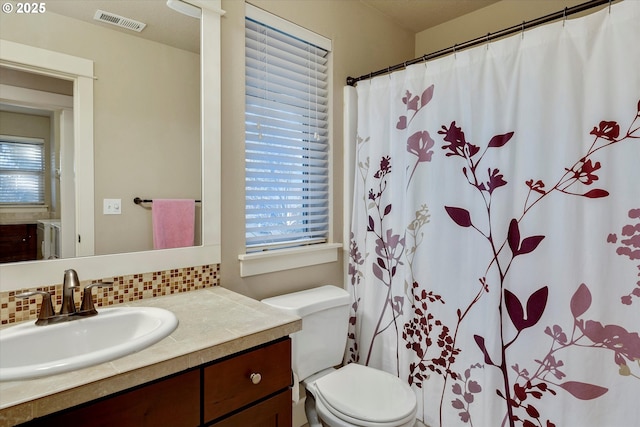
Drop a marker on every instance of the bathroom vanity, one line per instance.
(18, 242)
(228, 363)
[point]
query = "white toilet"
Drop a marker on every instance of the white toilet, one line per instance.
(353, 395)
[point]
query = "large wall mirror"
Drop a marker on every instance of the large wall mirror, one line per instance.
(148, 136)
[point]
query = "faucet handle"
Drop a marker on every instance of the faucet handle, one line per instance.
(86, 307)
(46, 309)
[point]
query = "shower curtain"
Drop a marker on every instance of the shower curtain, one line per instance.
(494, 253)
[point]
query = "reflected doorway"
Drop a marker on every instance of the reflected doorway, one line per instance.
(36, 112)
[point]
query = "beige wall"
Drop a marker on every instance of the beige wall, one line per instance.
(146, 119)
(35, 81)
(490, 19)
(363, 41)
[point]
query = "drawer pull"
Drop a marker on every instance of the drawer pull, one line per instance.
(255, 378)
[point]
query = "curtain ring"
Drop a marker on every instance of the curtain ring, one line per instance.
(389, 72)
(564, 16)
(610, 6)
(424, 58)
(488, 34)
(454, 49)
(523, 22)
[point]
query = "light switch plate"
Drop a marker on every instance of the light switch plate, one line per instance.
(112, 206)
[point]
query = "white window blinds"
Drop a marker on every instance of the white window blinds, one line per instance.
(21, 170)
(286, 140)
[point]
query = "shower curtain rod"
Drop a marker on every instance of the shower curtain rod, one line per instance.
(351, 81)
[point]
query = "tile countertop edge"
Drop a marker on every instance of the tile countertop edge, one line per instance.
(121, 374)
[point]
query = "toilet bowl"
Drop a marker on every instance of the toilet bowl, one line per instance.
(356, 395)
(352, 395)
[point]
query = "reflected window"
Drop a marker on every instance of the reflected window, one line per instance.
(22, 169)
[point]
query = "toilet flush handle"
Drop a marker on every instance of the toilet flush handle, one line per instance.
(255, 378)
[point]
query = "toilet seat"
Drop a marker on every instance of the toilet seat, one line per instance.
(363, 396)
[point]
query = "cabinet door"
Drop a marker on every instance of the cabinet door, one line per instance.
(171, 402)
(18, 242)
(273, 412)
(228, 385)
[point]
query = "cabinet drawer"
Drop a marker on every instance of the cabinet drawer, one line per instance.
(228, 385)
(273, 412)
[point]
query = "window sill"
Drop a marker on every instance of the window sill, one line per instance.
(23, 209)
(287, 259)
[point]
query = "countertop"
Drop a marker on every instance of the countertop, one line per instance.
(213, 323)
(18, 221)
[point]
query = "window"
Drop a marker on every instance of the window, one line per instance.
(21, 170)
(287, 134)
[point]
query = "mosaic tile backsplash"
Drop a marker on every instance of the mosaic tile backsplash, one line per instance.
(124, 289)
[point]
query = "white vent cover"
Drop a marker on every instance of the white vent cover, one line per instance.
(120, 21)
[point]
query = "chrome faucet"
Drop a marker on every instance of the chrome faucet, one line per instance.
(70, 283)
(68, 310)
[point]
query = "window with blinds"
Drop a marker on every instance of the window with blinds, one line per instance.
(286, 140)
(21, 170)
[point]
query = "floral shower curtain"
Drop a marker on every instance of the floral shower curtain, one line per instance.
(494, 257)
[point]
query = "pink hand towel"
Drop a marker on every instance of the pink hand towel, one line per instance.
(173, 223)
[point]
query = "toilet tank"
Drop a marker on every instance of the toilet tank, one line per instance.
(325, 318)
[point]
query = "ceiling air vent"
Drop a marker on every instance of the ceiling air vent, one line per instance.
(120, 21)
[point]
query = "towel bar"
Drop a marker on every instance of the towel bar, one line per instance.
(138, 200)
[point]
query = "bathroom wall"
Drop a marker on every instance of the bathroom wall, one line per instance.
(492, 18)
(36, 81)
(363, 41)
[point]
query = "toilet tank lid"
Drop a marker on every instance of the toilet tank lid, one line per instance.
(310, 301)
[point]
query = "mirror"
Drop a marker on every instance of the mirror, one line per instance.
(36, 119)
(117, 155)
(146, 118)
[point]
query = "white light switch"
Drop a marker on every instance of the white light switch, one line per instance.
(112, 207)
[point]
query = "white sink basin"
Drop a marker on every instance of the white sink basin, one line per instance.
(30, 351)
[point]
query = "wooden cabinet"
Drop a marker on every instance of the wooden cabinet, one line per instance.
(273, 412)
(173, 401)
(243, 379)
(18, 242)
(220, 394)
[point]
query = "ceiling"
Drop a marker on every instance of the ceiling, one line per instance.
(167, 26)
(164, 25)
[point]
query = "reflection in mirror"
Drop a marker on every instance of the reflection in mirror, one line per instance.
(146, 124)
(35, 128)
(27, 275)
